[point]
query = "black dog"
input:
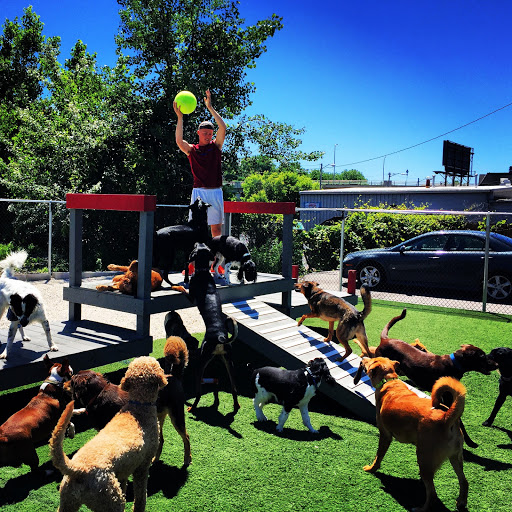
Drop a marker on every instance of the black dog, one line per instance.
(503, 358)
(203, 292)
(289, 388)
(229, 250)
(173, 325)
(181, 237)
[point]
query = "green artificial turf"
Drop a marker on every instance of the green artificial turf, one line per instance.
(239, 465)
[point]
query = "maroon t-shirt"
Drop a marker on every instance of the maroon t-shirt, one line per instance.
(205, 162)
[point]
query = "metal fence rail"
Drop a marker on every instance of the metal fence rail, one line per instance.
(42, 228)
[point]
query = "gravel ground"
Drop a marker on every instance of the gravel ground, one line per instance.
(57, 311)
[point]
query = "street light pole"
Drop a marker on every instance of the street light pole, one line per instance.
(334, 164)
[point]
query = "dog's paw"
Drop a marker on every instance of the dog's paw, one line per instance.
(487, 423)
(25, 338)
(261, 418)
(279, 429)
(54, 348)
(370, 469)
(3, 355)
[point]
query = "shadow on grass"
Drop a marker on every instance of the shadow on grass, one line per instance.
(162, 478)
(296, 435)
(408, 492)
(17, 489)
(509, 434)
(212, 416)
(485, 462)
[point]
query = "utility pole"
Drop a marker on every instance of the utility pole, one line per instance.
(321, 176)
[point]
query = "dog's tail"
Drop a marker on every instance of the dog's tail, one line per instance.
(176, 356)
(393, 321)
(367, 301)
(457, 397)
(13, 260)
(59, 458)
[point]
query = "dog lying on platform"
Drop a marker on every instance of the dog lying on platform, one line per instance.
(101, 400)
(98, 473)
(181, 237)
(330, 308)
(23, 302)
(216, 342)
(127, 282)
(424, 422)
(229, 250)
(33, 424)
(503, 358)
(289, 388)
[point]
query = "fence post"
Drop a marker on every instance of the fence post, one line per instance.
(342, 238)
(50, 219)
(486, 260)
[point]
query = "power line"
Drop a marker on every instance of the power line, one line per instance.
(429, 140)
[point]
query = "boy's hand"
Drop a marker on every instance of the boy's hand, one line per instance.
(179, 113)
(208, 99)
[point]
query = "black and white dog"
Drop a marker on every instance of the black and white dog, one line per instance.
(229, 250)
(180, 237)
(289, 388)
(23, 302)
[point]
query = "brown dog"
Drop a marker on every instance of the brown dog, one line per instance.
(330, 308)
(35, 422)
(127, 282)
(101, 400)
(424, 368)
(98, 473)
(424, 422)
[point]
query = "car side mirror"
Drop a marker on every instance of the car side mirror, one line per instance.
(402, 249)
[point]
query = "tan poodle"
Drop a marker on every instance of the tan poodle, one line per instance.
(98, 473)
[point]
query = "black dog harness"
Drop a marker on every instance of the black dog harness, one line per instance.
(308, 371)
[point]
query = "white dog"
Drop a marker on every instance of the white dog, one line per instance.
(22, 300)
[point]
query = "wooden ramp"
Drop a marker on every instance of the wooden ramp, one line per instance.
(278, 337)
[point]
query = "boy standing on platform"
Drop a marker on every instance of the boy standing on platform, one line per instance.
(205, 163)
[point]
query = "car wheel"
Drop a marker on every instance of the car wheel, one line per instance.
(370, 274)
(499, 287)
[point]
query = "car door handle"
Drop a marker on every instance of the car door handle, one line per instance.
(433, 257)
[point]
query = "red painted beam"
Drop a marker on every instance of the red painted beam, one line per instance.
(119, 202)
(259, 207)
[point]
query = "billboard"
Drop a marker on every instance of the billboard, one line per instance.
(456, 158)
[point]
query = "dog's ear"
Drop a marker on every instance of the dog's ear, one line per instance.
(47, 362)
(15, 303)
(357, 376)
(30, 304)
(125, 384)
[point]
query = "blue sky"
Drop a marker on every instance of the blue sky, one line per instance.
(365, 79)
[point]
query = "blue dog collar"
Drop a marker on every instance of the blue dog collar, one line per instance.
(313, 378)
(455, 363)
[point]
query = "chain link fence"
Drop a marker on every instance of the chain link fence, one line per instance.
(470, 271)
(402, 256)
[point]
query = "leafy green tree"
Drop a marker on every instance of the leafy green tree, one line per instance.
(173, 45)
(276, 186)
(351, 174)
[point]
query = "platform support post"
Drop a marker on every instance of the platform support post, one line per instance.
(286, 301)
(146, 229)
(75, 259)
